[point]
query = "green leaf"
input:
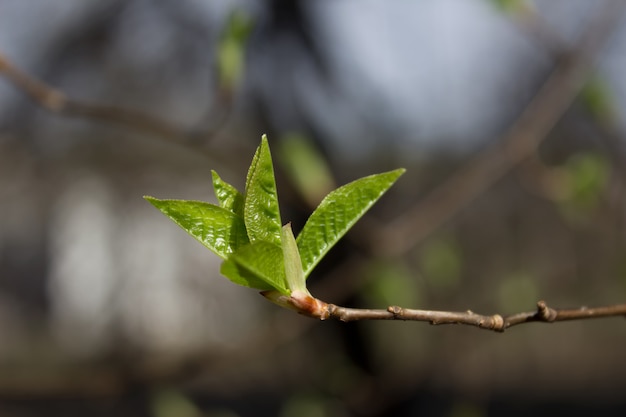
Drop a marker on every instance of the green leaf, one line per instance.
(227, 195)
(441, 261)
(513, 6)
(261, 212)
(218, 229)
(588, 175)
(308, 170)
(598, 97)
(241, 276)
(337, 213)
(245, 229)
(257, 265)
(230, 50)
(293, 264)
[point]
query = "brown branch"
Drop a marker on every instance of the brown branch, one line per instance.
(59, 103)
(533, 24)
(56, 101)
(532, 127)
(495, 322)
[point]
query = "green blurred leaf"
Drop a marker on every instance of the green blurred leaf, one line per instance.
(512, 6)
(216, 228)
(517, 292)
(441, 262)
(588, 176)
(170, 403)
(302, 405)
(230, 51)
(390, 283)
(261, 211)
(464, 409)
(306, 167)
(227, 195)
(337, 213)
(598, 98)
(257, 265)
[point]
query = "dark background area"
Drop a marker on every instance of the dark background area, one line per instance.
(508, 115)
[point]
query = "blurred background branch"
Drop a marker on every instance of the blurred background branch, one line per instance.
(572, 71)
(57, 102)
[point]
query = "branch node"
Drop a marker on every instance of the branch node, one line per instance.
(546, 313)
(331, 311)
(396, 311)
(497, 323)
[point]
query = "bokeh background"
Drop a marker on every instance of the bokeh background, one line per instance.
(508, 115)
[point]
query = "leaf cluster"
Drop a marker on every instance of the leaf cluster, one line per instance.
(246, 231)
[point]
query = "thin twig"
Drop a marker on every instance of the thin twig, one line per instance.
(495, 322)
(59, 103)
(522, 140)
(532, 23)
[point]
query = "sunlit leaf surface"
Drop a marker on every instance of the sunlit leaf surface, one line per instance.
(257, 265)
(293, 265)
(216, 228)
(337, 213)
(227, 195)
(261, 212)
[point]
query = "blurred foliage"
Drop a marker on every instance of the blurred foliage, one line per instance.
(586, 177)
(464, 409)
(441, 263)
(230, 50)
(310, 405)
(598, 99)
(517, 292)
(391, 283)
(512, 6)
(172, 403)
(341, 374)
(306, 168)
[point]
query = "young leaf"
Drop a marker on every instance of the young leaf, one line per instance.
(293, 264)
(227, 195)
(218, 229)
(261, 212)
(337, 213)
(239, 275)
(257, 265)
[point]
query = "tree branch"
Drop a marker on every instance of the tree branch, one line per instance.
(56, 101)
(495, 322)
(523, 139)
(59, 103)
